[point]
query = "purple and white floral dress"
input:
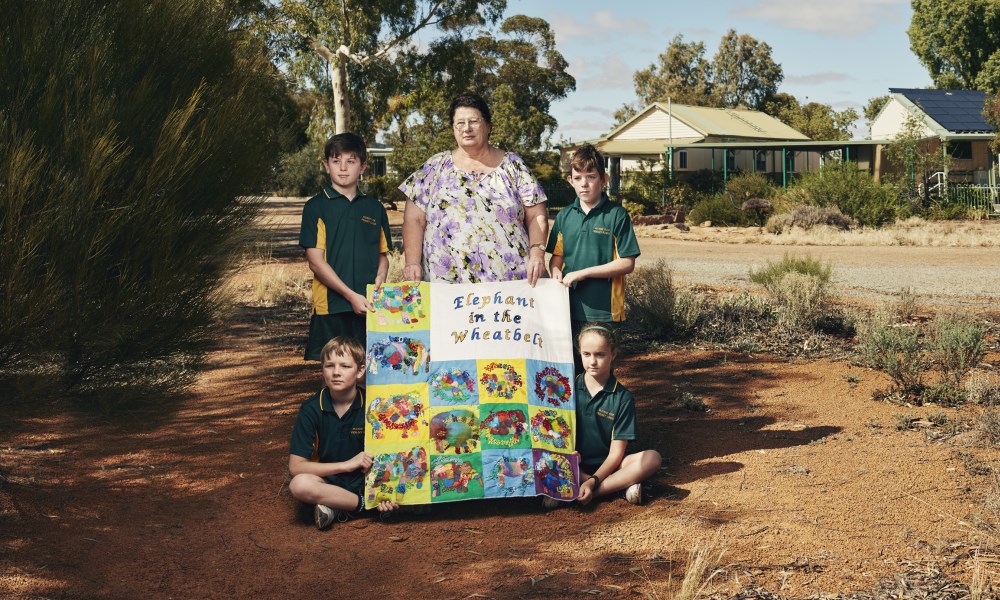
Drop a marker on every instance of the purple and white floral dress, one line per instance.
(475, 221)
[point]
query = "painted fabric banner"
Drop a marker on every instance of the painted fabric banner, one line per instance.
(470, 393)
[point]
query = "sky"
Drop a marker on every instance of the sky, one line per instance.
(837, 52)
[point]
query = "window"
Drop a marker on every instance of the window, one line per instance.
(730, 160)
(376, 165)
(761, 160)
(960, 150)
(682, 159)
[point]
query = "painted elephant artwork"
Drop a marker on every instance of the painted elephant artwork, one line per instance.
(398, 354)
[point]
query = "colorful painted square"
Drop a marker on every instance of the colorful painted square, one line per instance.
(456, 477)
(504, 426)
(400, 476)
(502, 380)
(508, 473)
(552, 428)
(400, 358)
(551, 384)
(454, 430)
(453, 383)
(399, 307)
(397, 413)
(556, 474)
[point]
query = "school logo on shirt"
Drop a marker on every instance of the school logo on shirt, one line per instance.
(358, 431)
(602, 230)
(368, 220)
(607, 414)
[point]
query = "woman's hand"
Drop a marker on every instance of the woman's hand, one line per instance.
(413, 272)
(536, 268)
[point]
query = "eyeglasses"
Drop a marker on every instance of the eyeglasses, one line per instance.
(472, 123)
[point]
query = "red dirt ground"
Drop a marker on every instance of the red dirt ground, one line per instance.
(799, 479)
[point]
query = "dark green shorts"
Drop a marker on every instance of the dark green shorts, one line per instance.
(352, 482)
(323, 328)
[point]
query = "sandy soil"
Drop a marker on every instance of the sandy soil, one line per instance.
(795, 476)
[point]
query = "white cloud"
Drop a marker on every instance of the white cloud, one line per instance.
(601, 25)
(612, 73)
(817, 78)
(843, 18)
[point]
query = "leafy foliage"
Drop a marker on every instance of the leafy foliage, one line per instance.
(771, 274)
(958, 42)
(657, 306)
(898, 352)
(741, 74)
(816, 120)
(873, 108)
(720, 210)
(853, 191)
(806, 217)
(132, 135)
(957, 345)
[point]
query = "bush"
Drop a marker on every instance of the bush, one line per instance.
(944, 393)
(746, 186)
(719, 210)
(654, 304)
(125, 183)
(301, 173)
(771, 274)
(898, 352)
(982, 388)
(806, 217)
(957, 345)
(802, 299)
(854, 192)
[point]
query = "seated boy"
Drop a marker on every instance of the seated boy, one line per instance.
(334, 420)
(346, 238)
(593, 247)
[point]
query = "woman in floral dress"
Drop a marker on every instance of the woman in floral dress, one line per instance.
(474, 213)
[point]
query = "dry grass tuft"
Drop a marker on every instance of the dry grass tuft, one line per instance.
(703, 563)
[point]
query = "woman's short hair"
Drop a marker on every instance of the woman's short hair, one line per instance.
(470, 100)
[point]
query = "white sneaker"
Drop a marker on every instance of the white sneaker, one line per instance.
(550, 503)
(634, 493)
(324, 516)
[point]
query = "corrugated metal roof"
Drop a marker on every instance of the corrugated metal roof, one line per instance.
(956, 111)
(733, 122)
(640, 147)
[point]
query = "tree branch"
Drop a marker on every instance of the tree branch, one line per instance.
(425, 21)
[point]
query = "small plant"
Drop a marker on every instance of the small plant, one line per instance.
(906, 305)
(957, 345)
(974, 465)
(798, 286)
(983, 388)
(653, 302)
(898, 352)
(944, 393)
(938, 418)
(694, 403)
(988, 426)
(905, 421)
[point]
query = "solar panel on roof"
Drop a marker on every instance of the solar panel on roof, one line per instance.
(958, 111)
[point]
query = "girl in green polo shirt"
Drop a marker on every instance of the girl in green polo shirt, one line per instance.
(606, 423)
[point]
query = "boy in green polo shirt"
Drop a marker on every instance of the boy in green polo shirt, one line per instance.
(331, 424)
(346, 237)
(593, 246)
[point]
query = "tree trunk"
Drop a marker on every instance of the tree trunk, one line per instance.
(338, 81)
(341, 102)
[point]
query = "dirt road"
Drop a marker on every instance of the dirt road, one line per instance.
(960, 277)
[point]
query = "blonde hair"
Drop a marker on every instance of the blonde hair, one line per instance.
(344, 346)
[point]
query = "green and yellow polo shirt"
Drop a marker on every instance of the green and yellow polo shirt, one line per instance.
(610, 415)
(589, 239)
(352, 234)
(337, 439)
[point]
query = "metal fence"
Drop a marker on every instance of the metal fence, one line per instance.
(978, 197)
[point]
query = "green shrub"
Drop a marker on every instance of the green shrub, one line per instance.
(134, 135)
(301, 173)
(898, 352)
(719, 210)
(944, 393)
(802, 299)
(957, 345)
(745, 186)
(807, 216)
(854, 192)
(652, 301)
(983, 388)
(770, 275)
